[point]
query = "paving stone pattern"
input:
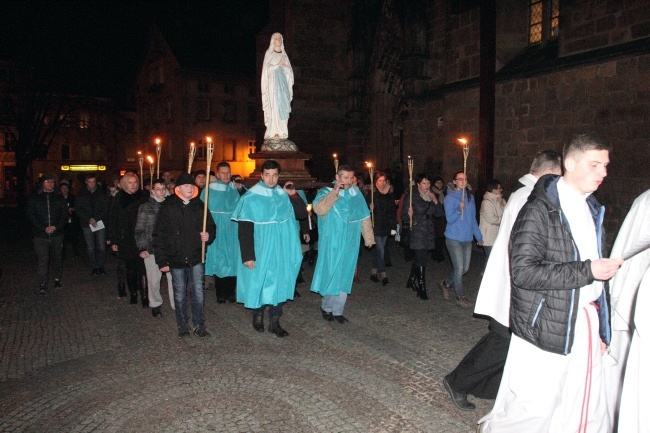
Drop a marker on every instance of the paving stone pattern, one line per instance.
(81, 360)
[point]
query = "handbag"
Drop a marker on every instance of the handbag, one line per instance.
(405, 236)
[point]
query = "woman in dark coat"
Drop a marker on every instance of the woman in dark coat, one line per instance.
(425, 209)
(383, 210)
(121, 235)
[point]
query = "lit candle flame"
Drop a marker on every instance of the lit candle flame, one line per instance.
(139, 153)
(150, 159)
(208, 139)
(309, 207)
(462, 141)
(335, 155)
(157, 141)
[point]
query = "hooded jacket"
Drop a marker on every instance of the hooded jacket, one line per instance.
(547, 272)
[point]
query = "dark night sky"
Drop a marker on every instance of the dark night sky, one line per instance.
(96, 46)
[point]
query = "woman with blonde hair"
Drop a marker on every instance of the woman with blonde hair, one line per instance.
(121, 236)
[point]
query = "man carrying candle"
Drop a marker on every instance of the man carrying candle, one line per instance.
(270, 249)
(177, 240)
(343, 216)
(223, 257)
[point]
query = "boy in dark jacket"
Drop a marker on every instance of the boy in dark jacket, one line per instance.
(48, 214)
(177, 237)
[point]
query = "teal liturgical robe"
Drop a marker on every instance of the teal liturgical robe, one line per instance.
(223, 256)
(277, 247)
(339, 233)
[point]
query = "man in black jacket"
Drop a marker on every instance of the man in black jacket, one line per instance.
(177, 237)
(48, 213)
(92, 209)
(553, 378)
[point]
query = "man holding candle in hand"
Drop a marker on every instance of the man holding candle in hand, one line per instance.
(343, 216)
(177, 239)
(223, 258)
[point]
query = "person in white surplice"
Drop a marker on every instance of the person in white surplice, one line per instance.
(553, 379)
(630, 302)
(277, 89)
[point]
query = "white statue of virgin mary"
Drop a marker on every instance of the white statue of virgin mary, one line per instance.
(277, 91)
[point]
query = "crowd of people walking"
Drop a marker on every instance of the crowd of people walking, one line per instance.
(542, 285)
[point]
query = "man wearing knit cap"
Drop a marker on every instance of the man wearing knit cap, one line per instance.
(48, 213)
(177, 237)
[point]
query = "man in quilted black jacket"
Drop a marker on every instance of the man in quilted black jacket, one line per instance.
(552, 380)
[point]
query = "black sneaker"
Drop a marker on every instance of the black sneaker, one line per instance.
(57, 284)
(42, 289)
(155, 312)
(201, 332)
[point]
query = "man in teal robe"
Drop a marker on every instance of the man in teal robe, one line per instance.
(223, 257)
(343, 216)
(270, 249)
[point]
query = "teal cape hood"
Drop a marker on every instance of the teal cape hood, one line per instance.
(338, 244)
(223, 256)
(277, 247)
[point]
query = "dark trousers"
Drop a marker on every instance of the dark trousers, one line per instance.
(479, 373)
(48, 253)
(274, 310)
(225, 287)
(134, 274)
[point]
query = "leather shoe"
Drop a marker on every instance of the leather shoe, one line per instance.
(341, 319)
(327, 316)
(155, 312)
(258, 321)
(384, 281)
(460, 400)
(374, 278)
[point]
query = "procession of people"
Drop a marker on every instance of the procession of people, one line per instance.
(554, 360)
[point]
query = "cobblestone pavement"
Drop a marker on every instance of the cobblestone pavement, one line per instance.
(79, 359)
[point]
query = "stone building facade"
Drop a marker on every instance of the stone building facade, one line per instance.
(181, 99)
(382, 79)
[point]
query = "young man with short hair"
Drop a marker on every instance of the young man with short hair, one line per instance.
(270, 249)
(144, 225)
(559, 318)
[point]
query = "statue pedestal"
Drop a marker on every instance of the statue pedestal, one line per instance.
(292, 164)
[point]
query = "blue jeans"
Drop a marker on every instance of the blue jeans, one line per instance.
(95, 247)
(460, 254)
(378, 261)
(182, 279)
